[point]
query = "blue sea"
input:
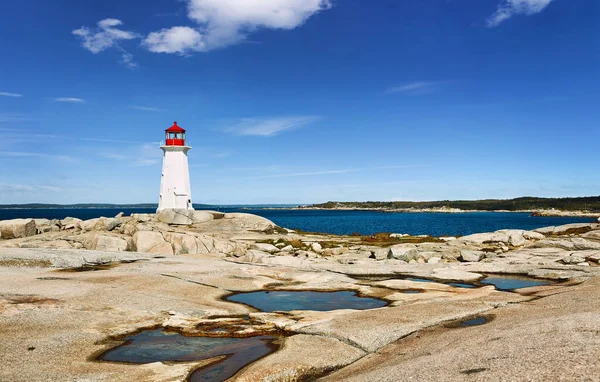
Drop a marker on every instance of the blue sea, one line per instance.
(344, 222)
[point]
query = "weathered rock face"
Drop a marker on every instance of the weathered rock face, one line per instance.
(265, 247)
(107, 224)
(241, 221)
(184, 243)
(471, 256)
(103, 242)
(151, 242)
(513, 237)
(567, 229)
(405, 252)
(176, 216)
(202, 216)
(17, 228)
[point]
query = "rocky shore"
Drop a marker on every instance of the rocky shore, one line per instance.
(72, 289)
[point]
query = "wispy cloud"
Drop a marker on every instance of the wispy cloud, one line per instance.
(21, 188)
(107, 35)
(145, 162)
(69, 100)
(115, 156)
(143, 155)
(144, 108)
(223, 154)
(15, 118)
(312, 173)
(14, 95)
(227, 22)
(268, 127)
(418, 87)
(510, 8)
(401, 166)
(24, 154)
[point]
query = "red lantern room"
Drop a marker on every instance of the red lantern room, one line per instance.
(175, 136)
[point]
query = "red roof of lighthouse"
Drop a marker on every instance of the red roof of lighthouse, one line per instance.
(175, 129)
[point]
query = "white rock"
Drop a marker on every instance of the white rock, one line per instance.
(448, 238)
(471, 256)
(17, 228)
(404, 252)
(316, 247)
(265, 247)
(287, 248)
(380, 253)
(434, 260)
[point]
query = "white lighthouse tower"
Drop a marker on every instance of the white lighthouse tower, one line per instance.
(175, 192)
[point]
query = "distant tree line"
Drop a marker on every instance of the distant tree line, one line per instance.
(591, 203)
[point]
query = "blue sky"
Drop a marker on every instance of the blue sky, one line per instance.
(300, 101)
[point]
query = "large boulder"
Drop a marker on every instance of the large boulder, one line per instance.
(107, 224)
(249, 222)
(16, 228)
(69, 223)
(405, 252)
(184, 243)
(176, 216)
(471, 256)
(202, 216)
(102, 242)
(151, 242)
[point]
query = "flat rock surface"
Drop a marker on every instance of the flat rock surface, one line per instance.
(555, 338)
(62, 307)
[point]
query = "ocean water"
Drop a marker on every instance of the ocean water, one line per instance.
(344, 222)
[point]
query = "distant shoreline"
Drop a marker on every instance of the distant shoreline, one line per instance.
(554, 213)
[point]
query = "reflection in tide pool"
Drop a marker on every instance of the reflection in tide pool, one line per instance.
(157, 346)
(509, 283)
(270, 301)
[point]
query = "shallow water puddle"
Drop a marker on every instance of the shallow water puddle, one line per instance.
(510, 283)
(270, 301)
(472, 321)
(157, 346)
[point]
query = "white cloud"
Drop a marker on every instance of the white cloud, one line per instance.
(15, 95)
(510, 8)
(414, 87)
(69, 99)
(106, 36)
(103, 37)
(270, 126)
(226, 22)
(175, 40)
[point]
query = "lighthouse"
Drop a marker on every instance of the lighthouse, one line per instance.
(175, 192)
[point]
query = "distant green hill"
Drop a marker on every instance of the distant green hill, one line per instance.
(591, 203)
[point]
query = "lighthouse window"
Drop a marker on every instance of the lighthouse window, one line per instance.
(171, 136)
